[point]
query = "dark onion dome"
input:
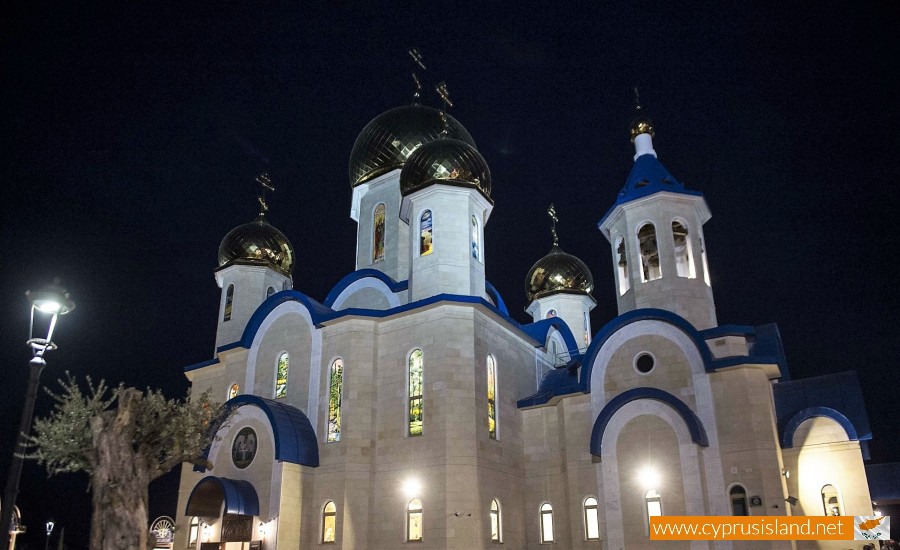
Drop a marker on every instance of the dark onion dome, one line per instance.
(447, 161)
(257, 243)
(558, 272)
(641, 125)
(388, 140)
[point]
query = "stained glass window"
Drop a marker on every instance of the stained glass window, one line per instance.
(329, 515)
(415, 393)
(496, 528)
(233, 391)
(591, 519)
(335, 387)
(378, 234)
(426, 235)
(229, 302)
(492, 396)
(281, 376)
(414, 520)
(475, 246)
(546, 522)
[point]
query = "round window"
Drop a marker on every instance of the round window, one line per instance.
(644, 363)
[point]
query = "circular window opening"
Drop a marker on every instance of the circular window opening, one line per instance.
(644, 363)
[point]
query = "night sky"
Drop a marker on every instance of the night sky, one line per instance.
(131, 136)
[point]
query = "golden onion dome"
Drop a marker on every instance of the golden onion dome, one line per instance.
(257, 243)
(388, 140)
(558, 272)
(447, 161)
(641, 125)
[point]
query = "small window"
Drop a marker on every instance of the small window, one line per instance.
(738, 496)
(415, 415)
(281, 375)
(378, 234)
(831, 501)
(551, 313)
(653, 503)
(194, 532)
(475, 245)
(650, 270)
(684, 258)
(591, 519)
(329, 517)
(492, 396)
(496, 525)
(587, 330)
(270, 291)
(335, 388)
(426, 234)
(233, 391)
(546, 522)
(622, 267)
(414, 521)
(229, 303)
(644, 363)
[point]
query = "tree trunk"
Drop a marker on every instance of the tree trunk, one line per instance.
(119, 482)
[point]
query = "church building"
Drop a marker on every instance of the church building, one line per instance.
(408, 408)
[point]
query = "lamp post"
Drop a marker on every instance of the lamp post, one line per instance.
(49, 303)
(49, 526)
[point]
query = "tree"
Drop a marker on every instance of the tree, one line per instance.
(123, 439)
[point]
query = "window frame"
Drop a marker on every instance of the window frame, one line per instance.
(421, 237)
(585, 510)
(287, 371)
(491, 395)
(546, 511)
(496, 515)
(731, 498)
(373, 257)
(228, 307)
(646, 274)
(648, 498)
(409, 397)
(331, 435)
(326, 514)
(688, 249)
(410, 511)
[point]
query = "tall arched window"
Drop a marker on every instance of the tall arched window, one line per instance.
(378, 234)
(831, 501)
(738, 497)
(426, 234)
(329, 517)
(476, 248)
(194, 532)
(414, 520)
(415, 411)
(492, 396)
(233, 391)
(281, 375)
(653, 504)
(684, 257)
(705, 265)
(649, 253)
(546, 522)
(622, 266)
(229, 303)
(496, 525)
(591, 519)
(335, 388)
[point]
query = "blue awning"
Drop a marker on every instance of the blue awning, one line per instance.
(207, 497)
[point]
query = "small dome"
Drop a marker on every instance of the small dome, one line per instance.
(558, 272)
(448, 161)
(641, 125)
(388, 140)
(257, 243)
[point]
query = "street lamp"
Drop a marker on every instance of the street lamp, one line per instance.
(49, 526)
(49, 303)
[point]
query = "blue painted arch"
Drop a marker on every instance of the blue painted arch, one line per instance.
(790, 427)
(209, 493)
(366, 273)
(691, 420)
(540, 329)
(295, 439)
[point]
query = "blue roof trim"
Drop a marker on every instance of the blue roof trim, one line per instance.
(557, 382)
(884, 482)
(648, 176)
(495, 294)
(196, 366)
(240, 496)
(367, 273)
(787, 438)
(691, 420)
(539, 330)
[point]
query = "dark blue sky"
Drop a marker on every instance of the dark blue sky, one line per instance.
(131, 136)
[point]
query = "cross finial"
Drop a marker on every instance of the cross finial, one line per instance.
(637, 99)
(552, 213)
(442, 91)
(417, 59)
(265, 184)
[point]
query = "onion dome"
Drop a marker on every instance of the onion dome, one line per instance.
(257, 243)
(641, 125)
(388, 140)
(447, 161)
(558, 272)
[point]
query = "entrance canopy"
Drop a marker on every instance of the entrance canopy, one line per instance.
(207, 497)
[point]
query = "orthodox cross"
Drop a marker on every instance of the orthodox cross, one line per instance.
(265, 184)
(552, 213)
(417, 59)
(442, 91)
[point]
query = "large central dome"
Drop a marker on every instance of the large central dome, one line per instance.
(388, 140)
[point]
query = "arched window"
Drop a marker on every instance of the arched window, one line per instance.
(415, 411)
(335, 388)
(546, 522)
(653, 504)
(649, 253)
(475, 244)
(233, 391)
(194, 532)
(705, 265)
(492, 396)
(496, 525)
(378, 234)
(831, 501)
(426, 234)
(684, 258)
(591, 519)
(738, 496)
(329, 517)
(270, 291)
(587, 329)
(622, 267)
(281, 375)
(229, 303)
(414, 520)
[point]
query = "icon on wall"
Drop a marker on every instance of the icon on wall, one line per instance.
(244, 447)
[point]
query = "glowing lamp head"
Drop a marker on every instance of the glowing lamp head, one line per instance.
(412, 487)
(52, 300)
(649, 478)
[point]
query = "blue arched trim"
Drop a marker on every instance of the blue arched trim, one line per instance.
(691, 420)
(239, 495)
(540, 329)
(295, 439)
(360, 274)
(787, 438)
(493, 293)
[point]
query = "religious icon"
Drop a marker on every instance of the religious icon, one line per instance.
(243, 450)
